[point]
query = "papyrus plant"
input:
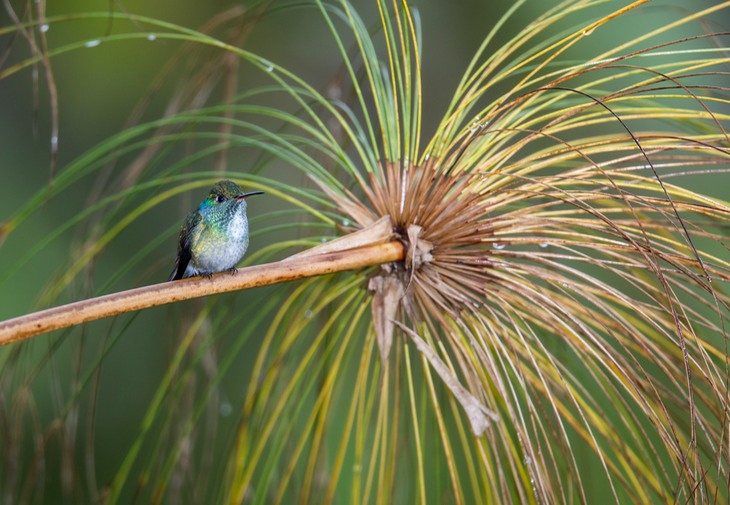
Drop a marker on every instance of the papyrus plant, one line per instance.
(556, 329)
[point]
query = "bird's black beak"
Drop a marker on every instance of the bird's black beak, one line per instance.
(246, 195)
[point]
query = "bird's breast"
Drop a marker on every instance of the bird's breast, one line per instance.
(221, 246)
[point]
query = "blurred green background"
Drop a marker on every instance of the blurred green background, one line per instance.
(98, 87)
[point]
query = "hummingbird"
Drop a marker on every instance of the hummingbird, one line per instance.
(214, 237)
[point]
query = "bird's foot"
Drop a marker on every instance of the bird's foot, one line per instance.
(232, 270)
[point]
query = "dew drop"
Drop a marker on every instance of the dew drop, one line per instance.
(267, 65)
(93, 43)
(151, 37)
(308, 313)
(544, 244)
(499, 245)
(225, 409)
(587, 32)
(345, 222)
(54, 140)
(44, 27)
(427, 156)
(528, 460)
(324, 239)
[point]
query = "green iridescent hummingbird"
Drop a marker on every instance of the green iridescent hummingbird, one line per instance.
(214, 237)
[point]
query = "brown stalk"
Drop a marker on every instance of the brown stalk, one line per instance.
(290, 269)
(479, 416)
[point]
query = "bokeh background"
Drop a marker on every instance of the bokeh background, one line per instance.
(98, 88)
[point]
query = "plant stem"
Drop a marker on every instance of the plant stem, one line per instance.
(83, 311)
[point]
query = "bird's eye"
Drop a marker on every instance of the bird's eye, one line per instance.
(220, 199)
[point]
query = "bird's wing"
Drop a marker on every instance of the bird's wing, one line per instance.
(183, 247)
